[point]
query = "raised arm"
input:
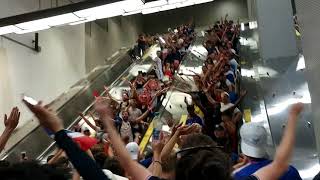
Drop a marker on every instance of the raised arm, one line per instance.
(283, 154)
(10, 124)
(157, 146)
(135, 170)
(208, 95)
(96, 128)
(167, 149)
(143, 116)
(86, 167)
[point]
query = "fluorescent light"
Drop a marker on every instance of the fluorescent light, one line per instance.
(168, 7)
(46, 23)
(60, 19)
(175, 1)
(202, 1)
(132, 5)
(253, 25)
(151, 10)
(301, 63)
(8, 29)
(100, 12)
(185, 4)
(131, 13)
(155, 4)
(242, 27)
(30, 26)
(32, 30)
(82, 21)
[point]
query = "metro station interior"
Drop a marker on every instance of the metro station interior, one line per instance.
(159, 89)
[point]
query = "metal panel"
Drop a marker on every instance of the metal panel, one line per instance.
(278, 84)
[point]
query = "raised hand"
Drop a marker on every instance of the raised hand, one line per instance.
(185, 130)
(107, 90)
(175, 128)
(12, 122)
(47, 118)
(296, 109)
(158, 145)
(102, 106)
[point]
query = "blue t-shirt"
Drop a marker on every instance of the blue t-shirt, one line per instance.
(195, 119)
(291, 174)
(146, 162)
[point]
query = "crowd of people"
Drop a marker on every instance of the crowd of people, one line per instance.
(214, 144)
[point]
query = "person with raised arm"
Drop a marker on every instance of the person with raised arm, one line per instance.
(10, 124)
(84, 164)
(133, 168)
(253, 146)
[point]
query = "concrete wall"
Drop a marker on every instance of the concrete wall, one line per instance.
(203, 15)
(276, 30)
(103, 41)
(43, 75)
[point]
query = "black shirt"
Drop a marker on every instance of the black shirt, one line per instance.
(86, 166)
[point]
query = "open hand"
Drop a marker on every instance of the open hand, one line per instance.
(13, 120)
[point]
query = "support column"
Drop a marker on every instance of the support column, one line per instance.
(276, 30)
(308, 17)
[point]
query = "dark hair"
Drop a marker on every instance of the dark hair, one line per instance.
(204, 164)
(4, 163)
(190, 109)
(228, 113)
(114, 166)
(33, 170)
(194, 140)
(100, 158)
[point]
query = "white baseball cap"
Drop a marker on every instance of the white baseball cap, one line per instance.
(253, 140)
(133, 149)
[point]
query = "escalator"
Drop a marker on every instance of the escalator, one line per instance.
(80, 98)
(173, 105)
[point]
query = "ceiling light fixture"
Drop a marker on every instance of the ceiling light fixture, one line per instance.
(131, 13)
(202, 1)
(9, 29)
(151, 10)
(175, 1)
(153, 4)
(168, 7)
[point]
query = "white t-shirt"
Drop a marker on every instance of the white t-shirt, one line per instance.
(126, 130)
(157, 60)
(134, 114)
